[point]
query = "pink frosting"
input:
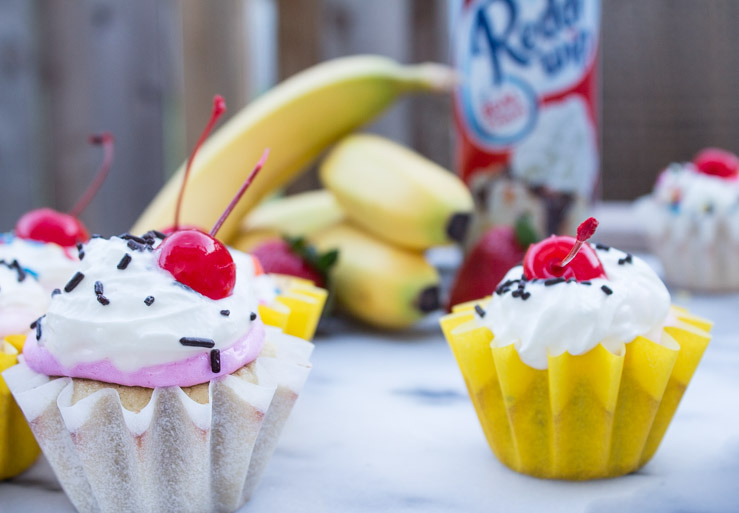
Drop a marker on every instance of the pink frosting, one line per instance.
(191, 371)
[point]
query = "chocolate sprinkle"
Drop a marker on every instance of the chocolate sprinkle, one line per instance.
(14, 265)
(128, 236)
(103, 300)
(76, 279)
(225, 313)
(197, 342)
(159, 234)
(585, 283)
(252, 316)
(602, 247)
(99, 288)
(124, 261)
(55, 292)
(80, 251)
(553, 281)
(480, 311)
(525, 295)
(37, 322)
(516, 293)
(215, 360)
(607, 290)
(628, 259)
(149, 300)
(135, 245)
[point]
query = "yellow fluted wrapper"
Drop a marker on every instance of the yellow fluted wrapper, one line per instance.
(586, 416)
(18, 448)
(297, 309)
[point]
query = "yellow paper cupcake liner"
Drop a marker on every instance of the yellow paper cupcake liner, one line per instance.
(586, 416)
(297, 309)
(18, 448)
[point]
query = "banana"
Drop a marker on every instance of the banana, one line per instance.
(395, 193)
(297, 119)
(378, 283)
(301, 214)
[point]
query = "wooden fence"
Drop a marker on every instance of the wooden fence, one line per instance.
(146, 70)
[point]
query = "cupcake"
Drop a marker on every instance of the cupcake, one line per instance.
(692, 222)
(22, 300)
(576, 363)
(153, 382)
(49, 242)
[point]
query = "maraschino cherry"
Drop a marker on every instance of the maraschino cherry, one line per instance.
(195, 258)
(565, 257)
(198, 259)
(717, 162)
(48, 225)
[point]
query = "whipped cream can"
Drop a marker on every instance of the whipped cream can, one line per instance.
(526, 109)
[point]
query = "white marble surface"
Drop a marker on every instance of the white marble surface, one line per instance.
(384, 424)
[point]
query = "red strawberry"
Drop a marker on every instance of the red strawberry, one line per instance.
(717, 162)
(498, 250)
(295, 258)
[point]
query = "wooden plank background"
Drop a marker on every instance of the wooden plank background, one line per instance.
(147, 72)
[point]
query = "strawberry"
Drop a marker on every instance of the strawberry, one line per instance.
(292, 256)
(717, 162)
(498, 250)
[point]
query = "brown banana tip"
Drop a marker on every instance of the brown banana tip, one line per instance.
(457, 226)
(428, 300)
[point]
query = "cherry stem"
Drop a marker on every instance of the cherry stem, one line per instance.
(239, 194)
(219, 107)
(106, 141)
(584, 232)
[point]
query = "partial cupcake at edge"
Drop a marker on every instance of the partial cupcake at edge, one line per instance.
(577, 362)
(691, 220)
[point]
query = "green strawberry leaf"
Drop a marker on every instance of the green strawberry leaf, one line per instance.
(321, 262)
(525, 232)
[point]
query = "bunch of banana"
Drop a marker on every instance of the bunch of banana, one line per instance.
(383, 205)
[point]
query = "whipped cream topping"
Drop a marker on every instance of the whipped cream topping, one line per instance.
(22, 299)
(133, 340)
(560, 316)
(50, 263)
(685, 189)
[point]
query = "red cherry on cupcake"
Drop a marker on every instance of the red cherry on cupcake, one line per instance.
(198, 259)
(49, 225)
(717, 162)
(195, 258)
(565, 257)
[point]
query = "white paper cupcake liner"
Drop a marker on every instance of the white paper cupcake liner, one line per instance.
(174, 455)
